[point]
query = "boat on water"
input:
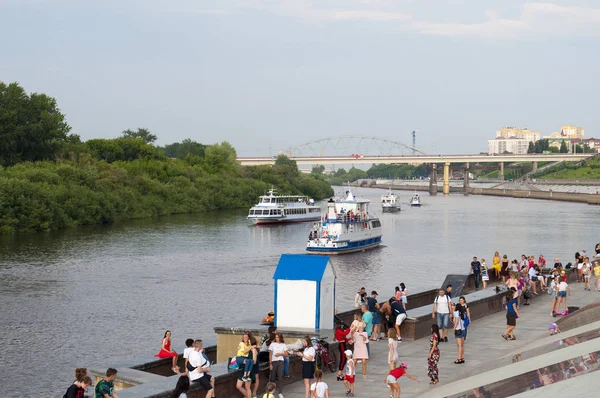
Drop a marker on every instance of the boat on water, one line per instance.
(415, 201)
(346, 228)
(273, 209)
(389, 202)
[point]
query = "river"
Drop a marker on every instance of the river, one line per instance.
(105, 294)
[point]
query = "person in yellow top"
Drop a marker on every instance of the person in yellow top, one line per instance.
(597, 274)
(496, 265)
(243, 359)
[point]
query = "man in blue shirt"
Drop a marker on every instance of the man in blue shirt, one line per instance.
(374, 310)
(367, 318)
(476, 271)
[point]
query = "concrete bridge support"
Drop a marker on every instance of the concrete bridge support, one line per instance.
(534, 166)
(446, 188)
(501, 172)
(433, 180)
(466, 187)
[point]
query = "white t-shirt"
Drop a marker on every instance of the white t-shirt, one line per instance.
(320, 388)
(459, 324)
(277, 348)
(442, 304)
(186, 352)
(562, 286)
(309, 351)
(580, 265)
(196, 359)
(532, 273)
(350, 368)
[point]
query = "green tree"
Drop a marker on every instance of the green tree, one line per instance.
(31, 126)
(286, 167)
(181, 150)
(141, 133)
(220, 158)
(320, 169)
(563, 147)
(531, 148)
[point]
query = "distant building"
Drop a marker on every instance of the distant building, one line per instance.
(514, 132)
(569, 131)
(593, 143)
(516, 146)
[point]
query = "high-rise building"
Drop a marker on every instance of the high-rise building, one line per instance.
(514, 132)
(516, 146)
(572, 131)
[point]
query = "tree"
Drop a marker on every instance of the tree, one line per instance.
(563, 147)
(141, 133)
(286, 167)
(220, 158)
(531, 148)
(181, 150)
(31, 126)
(320, 169)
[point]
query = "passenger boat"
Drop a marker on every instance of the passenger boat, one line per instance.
(389, 202)
(272, 209)
(415, 201)
(347, 227)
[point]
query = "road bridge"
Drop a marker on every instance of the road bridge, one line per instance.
(432, 160)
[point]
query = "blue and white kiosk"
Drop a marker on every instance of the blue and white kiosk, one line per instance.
(304, 292)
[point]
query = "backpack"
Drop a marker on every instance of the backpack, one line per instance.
(527, 294)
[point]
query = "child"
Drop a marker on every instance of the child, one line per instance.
(392, 379)
(319, 389)
(484, 273)
(586, 271)
(270, 391)
(597, 274)
(553, 328)
(349, 378)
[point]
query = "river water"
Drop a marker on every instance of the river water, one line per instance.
(106, 294)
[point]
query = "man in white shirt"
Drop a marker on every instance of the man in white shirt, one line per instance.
(201, 368)
(441, 311)
(189, 344)
(524, 262)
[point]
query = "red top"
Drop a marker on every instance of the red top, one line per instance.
(398, 372)
(168, 345)
(340, 335)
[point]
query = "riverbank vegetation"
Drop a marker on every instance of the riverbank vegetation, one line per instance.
(587, 170)
(50, 179)
(379, 171)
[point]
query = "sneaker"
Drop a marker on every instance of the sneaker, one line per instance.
(445, 339)
(286, 376)
(399, 339)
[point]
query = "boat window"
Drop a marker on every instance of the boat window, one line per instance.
(375, 224)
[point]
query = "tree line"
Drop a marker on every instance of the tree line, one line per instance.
(51, 179)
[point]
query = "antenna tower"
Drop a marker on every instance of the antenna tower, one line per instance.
(414, 145)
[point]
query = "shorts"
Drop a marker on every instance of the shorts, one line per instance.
(400, 318)
(391, 379)
(442, 320)
(587, 277)
(204, 381)
(562, 294)
(350, 379)
(511, 319)
(462, 335)
(375, 318)
(404, 300)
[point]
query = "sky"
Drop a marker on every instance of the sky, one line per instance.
(267, 75)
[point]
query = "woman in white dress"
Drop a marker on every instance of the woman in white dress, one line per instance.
(393, 345)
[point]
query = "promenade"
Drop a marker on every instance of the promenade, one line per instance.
(484, 344)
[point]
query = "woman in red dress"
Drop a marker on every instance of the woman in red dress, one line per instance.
(166, 352)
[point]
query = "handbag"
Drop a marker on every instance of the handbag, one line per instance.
(467, 321)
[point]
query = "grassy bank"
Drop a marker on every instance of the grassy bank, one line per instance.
(589, 169)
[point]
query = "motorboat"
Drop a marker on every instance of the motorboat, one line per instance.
(347, 227)
(273, 208)
(389, 202)
(415, 201)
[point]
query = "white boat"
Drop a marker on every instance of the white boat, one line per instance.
(415, 201)
(347, 227)
(389, 202)
(272, 209)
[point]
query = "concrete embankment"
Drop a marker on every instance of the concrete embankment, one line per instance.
(561, 196)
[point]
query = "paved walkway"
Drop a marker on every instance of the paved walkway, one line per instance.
(484, 343)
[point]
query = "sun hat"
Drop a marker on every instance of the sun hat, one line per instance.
(348, 352)
(552, 326)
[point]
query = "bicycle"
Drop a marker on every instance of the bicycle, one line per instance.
(324, 356)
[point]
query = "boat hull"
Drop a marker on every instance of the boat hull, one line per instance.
(264, 221)
(351, 247)
(390, 209)
(415, 205)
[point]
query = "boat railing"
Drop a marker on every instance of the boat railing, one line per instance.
(347, 218)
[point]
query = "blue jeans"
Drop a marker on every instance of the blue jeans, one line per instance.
(442, 320)
(247, 363)
(477, 276)
(286, 365)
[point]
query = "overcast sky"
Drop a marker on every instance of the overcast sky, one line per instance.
(278, 73)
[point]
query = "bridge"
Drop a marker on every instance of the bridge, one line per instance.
(394, 152)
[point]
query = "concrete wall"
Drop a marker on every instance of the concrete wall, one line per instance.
(561, 196)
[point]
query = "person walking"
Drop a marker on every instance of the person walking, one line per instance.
(361, 352)
(459, 331)
(476, 271)
(441, 312)
(167, 352)
(512, 313)
(277, 353)
(341, 336)
(467, 320)
(105, 388)
(434, 355)
(308, 364)
(349, 377)
(393, 348)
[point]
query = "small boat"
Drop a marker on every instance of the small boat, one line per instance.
(273, 209)
(415, 201)
(389, 202)
(346, 228)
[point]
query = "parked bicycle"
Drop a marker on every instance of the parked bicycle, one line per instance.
(324, 357)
